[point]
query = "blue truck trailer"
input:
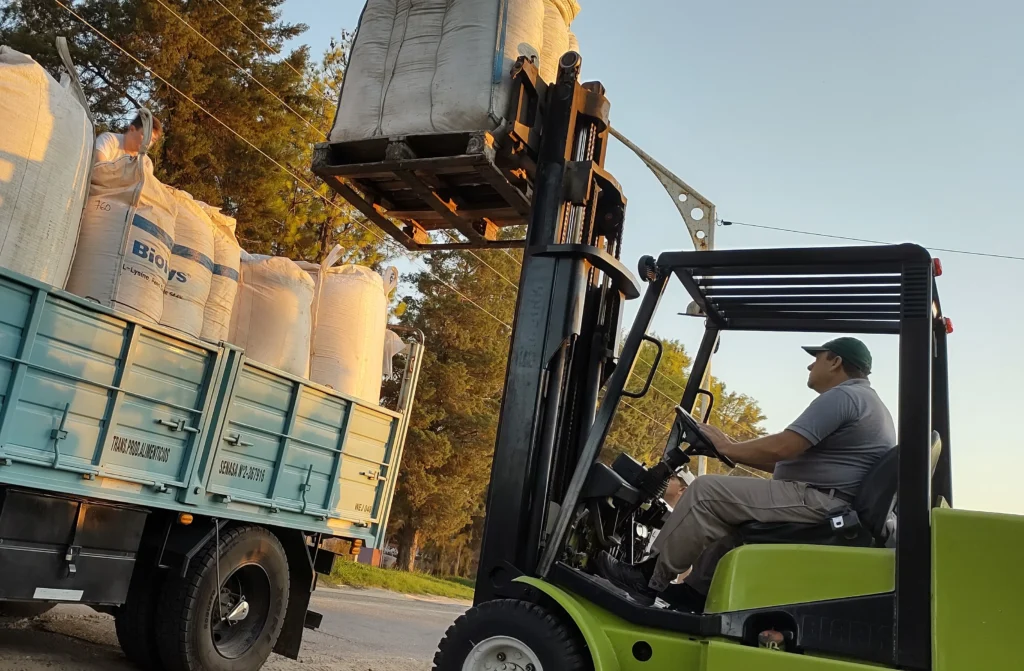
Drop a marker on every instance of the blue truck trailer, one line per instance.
(187, 490)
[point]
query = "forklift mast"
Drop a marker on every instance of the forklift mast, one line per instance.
(565, 333)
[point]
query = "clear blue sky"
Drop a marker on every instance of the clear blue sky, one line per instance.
(893, 121)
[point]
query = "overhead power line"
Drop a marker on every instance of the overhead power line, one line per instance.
(271, 48)
(241, 69)
(990, 255)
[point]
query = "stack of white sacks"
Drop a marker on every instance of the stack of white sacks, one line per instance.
(114, 234)
(436, 66)
(324, 322)
(154, 252)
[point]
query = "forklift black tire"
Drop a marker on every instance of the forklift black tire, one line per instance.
(519, 634)
(24, 609)
(135, 620)
(234, 626)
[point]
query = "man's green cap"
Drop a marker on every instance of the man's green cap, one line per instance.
(852, 351)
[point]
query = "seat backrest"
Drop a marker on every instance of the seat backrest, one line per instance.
(877, 496)
(877, 493)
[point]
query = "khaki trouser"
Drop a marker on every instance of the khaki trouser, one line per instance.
(714, 505)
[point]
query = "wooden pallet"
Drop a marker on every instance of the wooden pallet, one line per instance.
(467, 185)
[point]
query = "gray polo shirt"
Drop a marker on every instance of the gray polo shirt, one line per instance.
(849, 429)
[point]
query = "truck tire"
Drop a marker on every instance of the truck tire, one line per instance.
(135, 620)
(195, 632)
(518, 634)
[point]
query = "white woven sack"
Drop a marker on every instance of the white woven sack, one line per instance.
(393, 345)
(558, 15)
(272, 316)
(191, 270)
(46, 139)
(349, 326)
(124, 248)
(432, 66)
(224, 284)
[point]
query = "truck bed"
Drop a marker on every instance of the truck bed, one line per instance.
(99, 405)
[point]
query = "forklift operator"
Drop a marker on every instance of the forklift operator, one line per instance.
(818, 464)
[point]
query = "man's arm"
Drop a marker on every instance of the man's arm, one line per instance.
(762, 453)
(106, 148)
(825, 415)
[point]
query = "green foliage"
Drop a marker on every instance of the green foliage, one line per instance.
(642, 425)
(363, 576)
(451, 436)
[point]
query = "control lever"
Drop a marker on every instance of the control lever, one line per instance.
(653, 482)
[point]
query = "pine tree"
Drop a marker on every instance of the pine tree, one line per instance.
(447, 460)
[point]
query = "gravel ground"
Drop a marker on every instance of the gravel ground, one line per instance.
(363, 630)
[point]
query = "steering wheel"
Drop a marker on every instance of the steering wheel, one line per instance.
(699, 443)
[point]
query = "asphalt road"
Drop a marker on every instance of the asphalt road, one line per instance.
(363, 630)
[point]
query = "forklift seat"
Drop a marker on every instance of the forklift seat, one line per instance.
(865, 524)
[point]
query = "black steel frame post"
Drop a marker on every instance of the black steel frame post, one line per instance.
(605, 414)
(942, 479)
(708, 346)
(547, 321)
(913, 547)
(596, 223)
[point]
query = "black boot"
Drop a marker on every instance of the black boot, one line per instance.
(684, 598)
(633, 578)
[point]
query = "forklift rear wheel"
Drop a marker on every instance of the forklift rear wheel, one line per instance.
(233, 625)
(510, 634)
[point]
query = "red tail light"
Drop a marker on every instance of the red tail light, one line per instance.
(949, 325)
(937, 265)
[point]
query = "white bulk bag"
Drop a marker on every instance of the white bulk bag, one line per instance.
(431, 66)
(191, 269)
(272, 316)
(348, 332)
(393, 345)
(46, 139)
(127, 234)
(558, 14)
(224, 285)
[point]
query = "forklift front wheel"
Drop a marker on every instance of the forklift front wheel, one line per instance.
(511, 634)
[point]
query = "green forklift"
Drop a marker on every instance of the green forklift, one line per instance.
(898, 580)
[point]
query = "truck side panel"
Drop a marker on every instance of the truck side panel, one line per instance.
(96, 404)
(280, 444)
(96, 395)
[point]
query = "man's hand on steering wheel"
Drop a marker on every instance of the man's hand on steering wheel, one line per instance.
(704, 443)
(716, 436)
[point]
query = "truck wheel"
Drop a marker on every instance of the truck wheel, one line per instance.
(233, 626)
(510, 634)
(135, 621)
